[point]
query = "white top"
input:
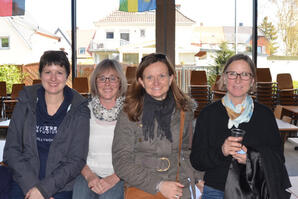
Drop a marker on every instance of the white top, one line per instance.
(99, 157)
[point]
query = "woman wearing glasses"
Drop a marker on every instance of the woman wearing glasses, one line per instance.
(146, 141)
(219, 154)
(98, 179)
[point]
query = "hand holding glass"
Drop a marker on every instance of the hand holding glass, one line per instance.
(235, 132)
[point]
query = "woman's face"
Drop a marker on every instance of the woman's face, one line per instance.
(108, 84)
(238, 87)
(156, 80)
(53, 79)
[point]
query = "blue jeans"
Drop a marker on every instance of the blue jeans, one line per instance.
(211, 193)
(81, 190)
(17, 193)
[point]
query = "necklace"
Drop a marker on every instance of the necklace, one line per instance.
(109, 115)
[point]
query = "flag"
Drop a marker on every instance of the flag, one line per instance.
(12, 7)
(137, 5)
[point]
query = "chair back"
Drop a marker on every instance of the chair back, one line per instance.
(130, 74)
(198, 77)
(3, 89)
(16, 88)
(263, 75)
(36, 81)
(277, 114)
(80, 84)
(284, 81)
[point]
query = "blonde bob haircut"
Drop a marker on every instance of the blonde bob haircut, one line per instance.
(104, 65)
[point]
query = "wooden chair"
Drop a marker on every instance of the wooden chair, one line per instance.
(8, 106)
(287, 95)
(3, 89)
(199, 90)
(3, 95)
(217, 93)
(36, 81)
(265, 88)
(130, 74)
(277, 114)
(16, 88)
(81, 85)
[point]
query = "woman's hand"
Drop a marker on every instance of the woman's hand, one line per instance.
(93, 183)
(170, 189)
(108, 182)
(241, 158)
(34, 193)
(101, 185)
(231, 146)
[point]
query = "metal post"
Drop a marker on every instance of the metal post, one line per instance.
(236, 27)
(74, 38)
(255, 32)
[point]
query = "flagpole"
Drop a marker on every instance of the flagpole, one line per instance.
(74, 38)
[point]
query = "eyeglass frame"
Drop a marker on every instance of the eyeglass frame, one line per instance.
(250, 76)
(108, 78)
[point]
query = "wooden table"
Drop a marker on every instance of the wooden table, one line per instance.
(285, 129)
(291, 111)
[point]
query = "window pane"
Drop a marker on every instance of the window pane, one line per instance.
(110, 35)
(5, 42)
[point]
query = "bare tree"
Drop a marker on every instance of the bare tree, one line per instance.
(288, 25)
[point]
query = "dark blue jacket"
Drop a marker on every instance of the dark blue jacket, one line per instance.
(68, 151)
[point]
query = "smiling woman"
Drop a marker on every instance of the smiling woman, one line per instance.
(98, 179)
(47, 140)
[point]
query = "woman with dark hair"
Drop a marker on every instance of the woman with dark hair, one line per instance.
(98, 179)
(239, 167)
(146, 141)
(47, 139)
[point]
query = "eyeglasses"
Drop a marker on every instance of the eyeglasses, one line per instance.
(243, 76)
(112, 79)
(160, 77)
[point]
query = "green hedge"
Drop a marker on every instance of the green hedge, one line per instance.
(11, 74)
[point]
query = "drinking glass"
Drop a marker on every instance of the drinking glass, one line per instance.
(236, 132)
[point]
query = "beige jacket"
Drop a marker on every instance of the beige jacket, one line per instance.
(137, 161)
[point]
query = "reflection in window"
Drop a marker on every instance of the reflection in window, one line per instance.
(82, 50)
(142, 32)
(110, 35)
(124, 36)
(131, 58)
(4, 42)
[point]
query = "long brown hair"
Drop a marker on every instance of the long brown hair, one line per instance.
(134, 101)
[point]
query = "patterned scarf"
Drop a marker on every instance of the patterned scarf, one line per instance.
(239, 113)
(102, 113)
(161, 111)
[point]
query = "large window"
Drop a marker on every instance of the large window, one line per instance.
(277, 24)
(4, 42)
